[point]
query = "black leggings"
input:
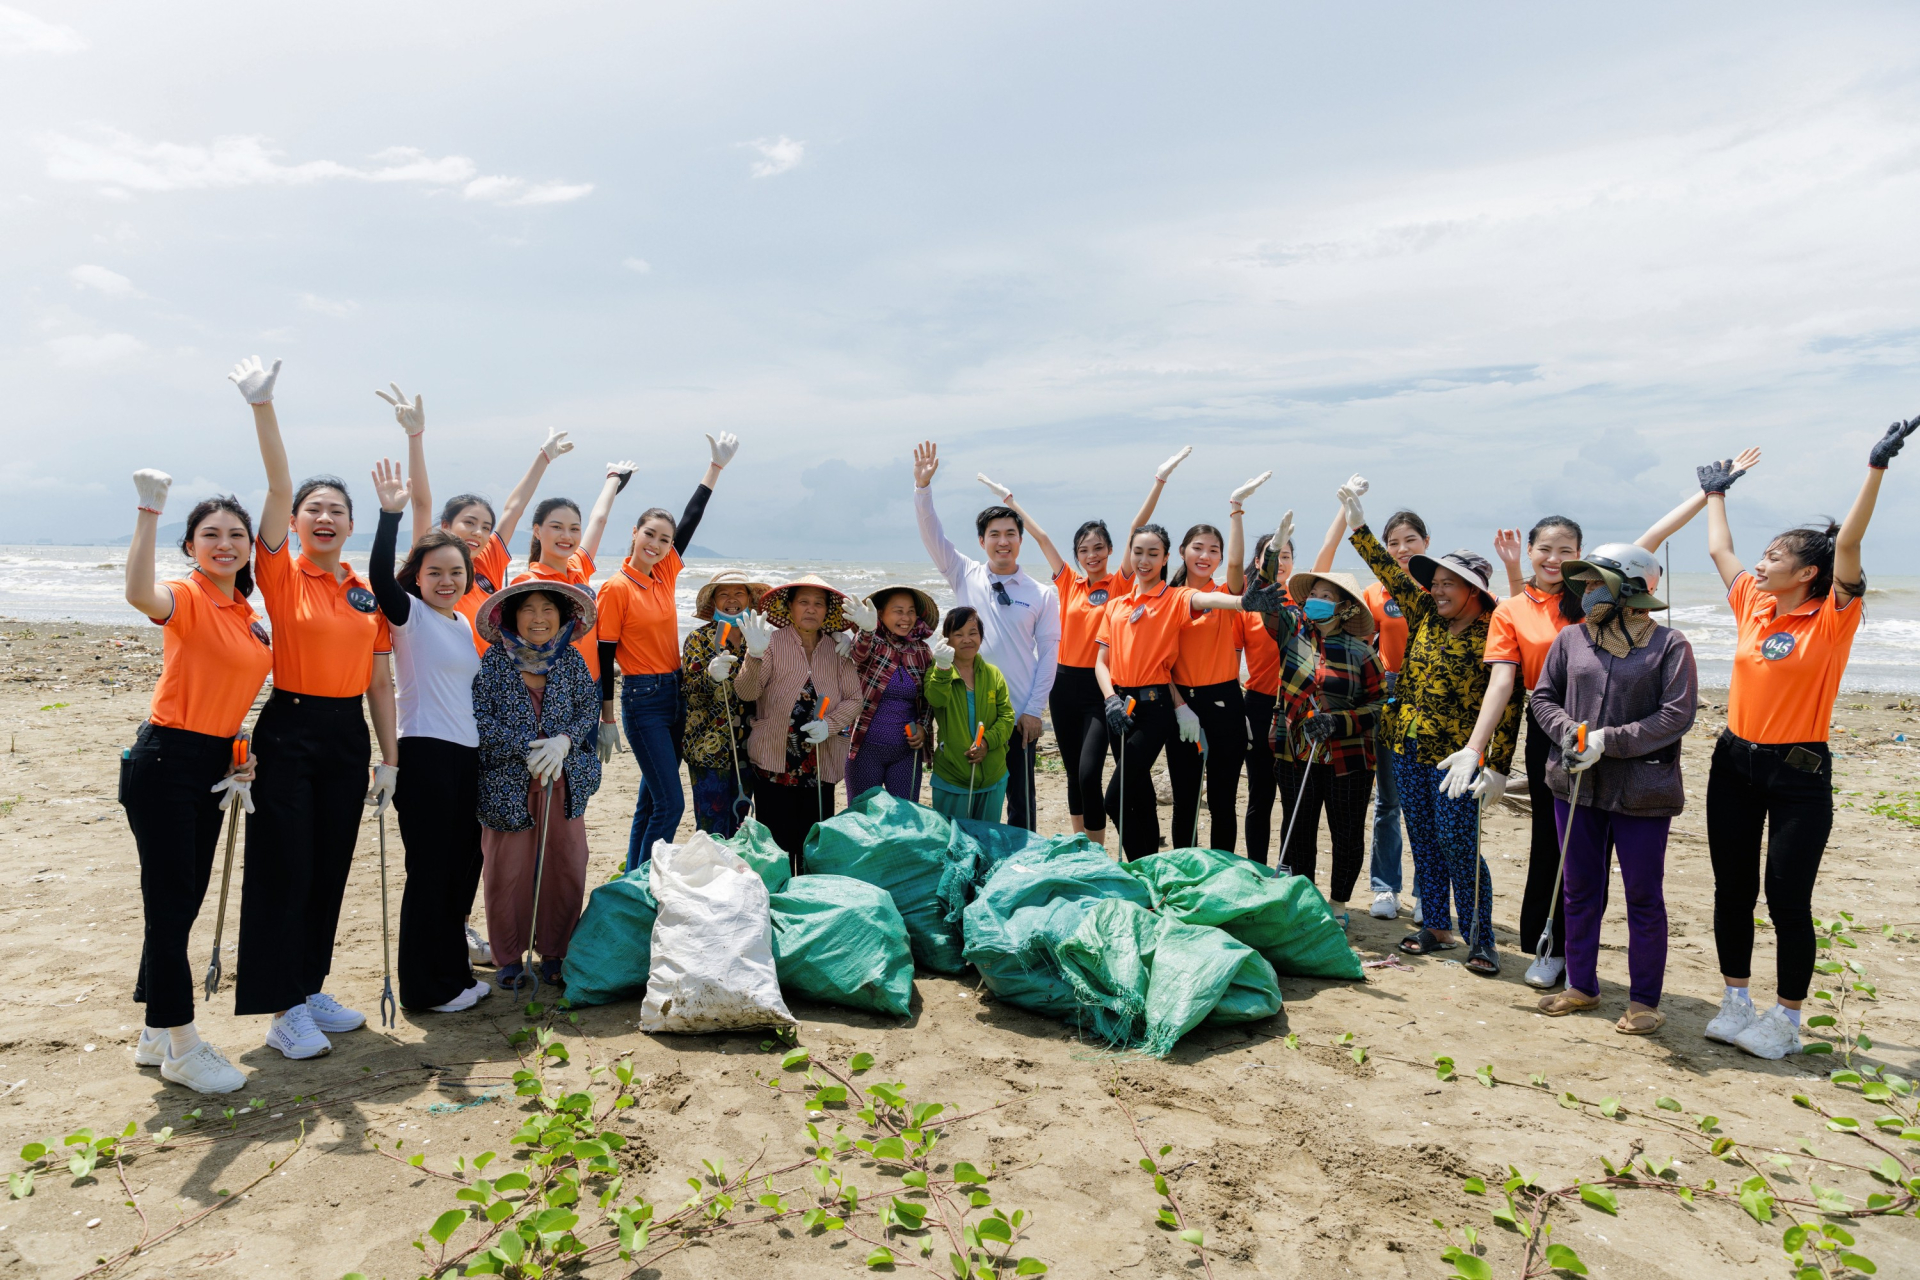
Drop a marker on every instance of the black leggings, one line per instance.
(1543, 849)
(307, 797)
(1260, 778)
(1153, 730)
(1751, 786)
(1345, 797)
(165, 783)
(1080, 727)
(1223, 719)
(789, 810)
(438, 799)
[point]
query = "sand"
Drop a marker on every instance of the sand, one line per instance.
(1293, 1161)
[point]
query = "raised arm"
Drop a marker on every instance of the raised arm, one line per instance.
(276, 513)
(1323, 558)
(1678, 518)
(142, 592)
(1508, 547)
(618, 473)
(1853, 529)
(522, 495)
(1055, 561)
(1160, 474)
(392, 490)
(1237, 534)
(946, 557)
(720, 453)
(412, 418)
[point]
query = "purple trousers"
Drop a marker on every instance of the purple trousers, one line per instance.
(1641, 844)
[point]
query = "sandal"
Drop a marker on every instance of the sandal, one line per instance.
(1483, 961)
(1345, 919)
(1424, 942)
(1562, 1003)
(1640, 1022)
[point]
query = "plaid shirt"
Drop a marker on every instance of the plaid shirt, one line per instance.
(875, 655)
(1338, 676)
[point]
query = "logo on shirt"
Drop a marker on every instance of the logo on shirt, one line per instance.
(1097, 596)
(1391, 607)
(485, 583)
(362, 599)
(260, 633)
(1777, 646)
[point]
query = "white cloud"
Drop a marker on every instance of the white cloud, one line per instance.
(111, 283)
(94, 350)
(338, 308)
(777, 155)
(639, 266)
(24, 33)
(118, 162)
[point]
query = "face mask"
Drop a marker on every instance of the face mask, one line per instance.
(732, 619)
(1320, 610)
(1596, 593)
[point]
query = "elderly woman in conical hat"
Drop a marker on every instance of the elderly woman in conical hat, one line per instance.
(806, 697)
(714, 743)
(893, 737)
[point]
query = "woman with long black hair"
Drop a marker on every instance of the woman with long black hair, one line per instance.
(331, 649)
(561, 549)
(179, 777)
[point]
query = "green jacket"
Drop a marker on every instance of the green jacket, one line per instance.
(993, 707)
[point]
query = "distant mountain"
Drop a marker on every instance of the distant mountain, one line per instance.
(697, 552)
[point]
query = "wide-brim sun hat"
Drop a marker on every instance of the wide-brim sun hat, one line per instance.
(1475, 570)
(703, 602)
(774, 602)
(1631, 597)
(1362, 624)
(923, 603)
(486, 619)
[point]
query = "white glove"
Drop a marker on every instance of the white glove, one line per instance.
(380, 794)
(942, 652)
(411, 417)
(758, 635)
(1459, 769)
(1489, 787)
(1349, 495)
(236, 790)
(720, 670)
(621, 471)
(1283, 533)
(1239, 496)
(547, 756)
(862, 615)
(1189, 722)
(1000, 491)
(843, 643)
(556, 444)
(722, 450)
(255, 382)
(1581, 761)
(1165, 469)
(815, 731)
(609, 740)
(152, 487)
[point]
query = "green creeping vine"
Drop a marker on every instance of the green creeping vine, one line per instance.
(1171, 1218)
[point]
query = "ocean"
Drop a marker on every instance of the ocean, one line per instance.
(49, 583)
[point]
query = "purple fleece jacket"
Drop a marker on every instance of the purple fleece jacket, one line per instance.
(1646, 701)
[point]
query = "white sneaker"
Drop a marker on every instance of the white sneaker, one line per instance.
(1735, 1016)
(204, 1069)
(1416, 912)
(1546, 971)
(466, 999)
(152, 1049)
(479, 951)
(330, 1015)
(295, 1036)
(1386, 905)
(1772, 1035)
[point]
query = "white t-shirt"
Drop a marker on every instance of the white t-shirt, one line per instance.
(434, 665)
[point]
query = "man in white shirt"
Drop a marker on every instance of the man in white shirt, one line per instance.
(1020, 619)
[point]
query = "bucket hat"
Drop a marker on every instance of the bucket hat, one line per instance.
(703, 601)
(1474, 569)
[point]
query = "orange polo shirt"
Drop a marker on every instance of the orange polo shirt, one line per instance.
(325, 630)
(1081, 604)
(638, 614)
(1522, 630)
(1263, 655)
(1209, 646)
(1141, 650)
(212, 661)
(1786, 671)
(490, 565)
(1391, 639)
(579, 572)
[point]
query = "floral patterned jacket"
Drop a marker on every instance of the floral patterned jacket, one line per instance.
(707, 741)
(503, 710)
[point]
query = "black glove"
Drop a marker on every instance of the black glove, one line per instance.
(1118, 722)
(1889, 444)
(1317, 728)
(625, 474)
(1264, 597)
(1718, 477)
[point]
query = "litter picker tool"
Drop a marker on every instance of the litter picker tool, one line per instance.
(1479, 816)
(1544, 947)
(740, 796)
(973, 767)
(1120, 819)
(1293, 819)
(528, 974)
(226, 874)
(819, 778)
(389, 1007)
(916, 764)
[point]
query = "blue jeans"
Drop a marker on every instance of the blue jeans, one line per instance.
(1385, 870)
(650, 709)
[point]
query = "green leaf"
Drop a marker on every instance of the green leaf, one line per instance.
(915, 1178)
(1829, 1199)
(1194, 1238)
(909, 1213)
(1601, 1198)
(512, 1246)
(1443, 1068)
(1609, 1107)
(1843, 1124)
(446, 1224)
(1665, 1104)
(859, 1062)
(1816, 1046)
(1859, 1263)
(20, 1185)
(1504, 1215)
(1474, 1186)
(1821, 1020)
(1359, 1055)
(881, 1257)
(964, 1172)
(1561, 1258)
(1757, 1199)
(890, 1149)
(1889, 1169)
(995, 1229)
(1485, 1076)
(1169, 1218)
(795, 1059)
(1465, 1265)
(1569, 1100)
(33, 1151)
(1293, 1040)
(1030, 1267)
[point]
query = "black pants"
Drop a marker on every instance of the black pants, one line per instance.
(789, 810)
(1022, 803)
(1223, 718)
(1080, 727)
(1543, 849)
(1153, 730)
(165, 783)
(1260, 777)
(1752, 786)
(1344, 797)
(307, 796)
(438, 799)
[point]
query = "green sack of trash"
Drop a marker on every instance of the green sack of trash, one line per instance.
(1284, 918)
(841, 941)
(916, 855)
(998, 841)
(612, 946)
(754, 843)
(1145, 980)
(1032, 901)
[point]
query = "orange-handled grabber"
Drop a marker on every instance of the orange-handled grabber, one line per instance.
(1544, 946)
(212, 983)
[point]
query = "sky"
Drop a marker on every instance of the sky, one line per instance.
(1503, 259)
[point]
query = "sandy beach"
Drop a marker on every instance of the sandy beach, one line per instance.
(1292, 1158)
